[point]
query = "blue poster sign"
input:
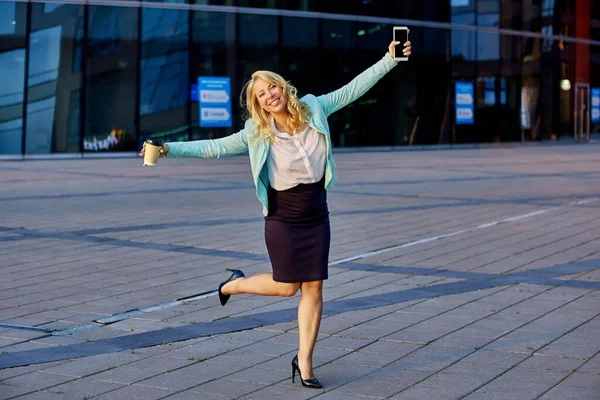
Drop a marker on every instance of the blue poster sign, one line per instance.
(595, 104)
(465, 114)
(214, 101)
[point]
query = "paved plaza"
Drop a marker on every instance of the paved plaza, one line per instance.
(454, 274)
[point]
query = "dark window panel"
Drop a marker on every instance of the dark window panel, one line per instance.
(259, 30)
(426, 114)
(378, 8)
(463, 41)
(300, 32)
(488, 44)
(372, 36)
(338, 35)
(300, 42)
(258, 45)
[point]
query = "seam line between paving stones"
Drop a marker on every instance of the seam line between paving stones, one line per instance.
(237, 348)
(457, 233)
(142, 359)
(434, 282)
(406, 327)
(37, 338)
(101, 244)
(551, 283)
(584, 231)
(124, 283)
(242, 185)
(458, 200)
(342, 297)
(429, 342)
(483, 346)
(534, 353)
(49, 273)
(507, 333)
(572, 372)
(408, 354)
(345, 355)
(508, 235)
(436, 225)
(241, 347)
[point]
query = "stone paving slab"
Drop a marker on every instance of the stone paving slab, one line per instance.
(464, 274)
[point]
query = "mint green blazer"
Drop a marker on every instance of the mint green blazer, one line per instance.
(321, 107)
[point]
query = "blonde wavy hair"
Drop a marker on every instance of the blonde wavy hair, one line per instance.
(298, 111)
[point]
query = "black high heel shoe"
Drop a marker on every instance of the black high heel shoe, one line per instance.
(235, 274)
(309, 383)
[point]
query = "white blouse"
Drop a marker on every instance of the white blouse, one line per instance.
(297, 158)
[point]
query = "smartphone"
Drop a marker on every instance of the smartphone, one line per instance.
(400, 35)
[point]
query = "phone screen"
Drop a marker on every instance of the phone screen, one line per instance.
(400, 35)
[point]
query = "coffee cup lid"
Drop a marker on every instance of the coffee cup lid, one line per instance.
(154, 142)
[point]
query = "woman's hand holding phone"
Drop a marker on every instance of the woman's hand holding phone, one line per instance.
(406, 51)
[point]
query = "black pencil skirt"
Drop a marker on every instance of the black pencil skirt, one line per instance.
(297, 233)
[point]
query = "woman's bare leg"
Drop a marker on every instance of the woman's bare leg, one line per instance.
(262, 284)
(309, 321)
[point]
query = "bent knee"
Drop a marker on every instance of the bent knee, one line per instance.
(313, 286)
(289, 290)
(314, 289)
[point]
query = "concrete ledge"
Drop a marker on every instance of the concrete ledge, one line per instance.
(120, 154)
(357, 149)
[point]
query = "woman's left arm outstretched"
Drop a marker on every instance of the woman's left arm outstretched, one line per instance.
(338, 99)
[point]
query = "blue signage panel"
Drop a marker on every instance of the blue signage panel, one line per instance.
(595, 104)
(465, 110)
(214, 101)
(194, 92)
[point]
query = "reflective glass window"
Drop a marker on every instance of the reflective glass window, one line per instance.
(51, 7)
(111, 67)
(214, 53)
(12, 71)
(300, 42)
(52, 115)
(488, 44)
(463, 41)
(164, 69)
(8, 24)
(258, 44)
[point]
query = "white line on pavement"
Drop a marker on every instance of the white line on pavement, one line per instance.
(447, 235)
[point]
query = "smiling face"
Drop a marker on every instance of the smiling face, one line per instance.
(269, 96)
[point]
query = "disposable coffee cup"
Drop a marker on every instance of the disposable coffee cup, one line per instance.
(152, 152)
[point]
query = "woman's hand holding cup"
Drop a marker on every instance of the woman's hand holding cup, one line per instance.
(151, 151)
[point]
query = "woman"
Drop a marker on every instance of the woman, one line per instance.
(289, 144)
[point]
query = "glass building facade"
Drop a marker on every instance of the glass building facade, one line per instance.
(101, 76)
